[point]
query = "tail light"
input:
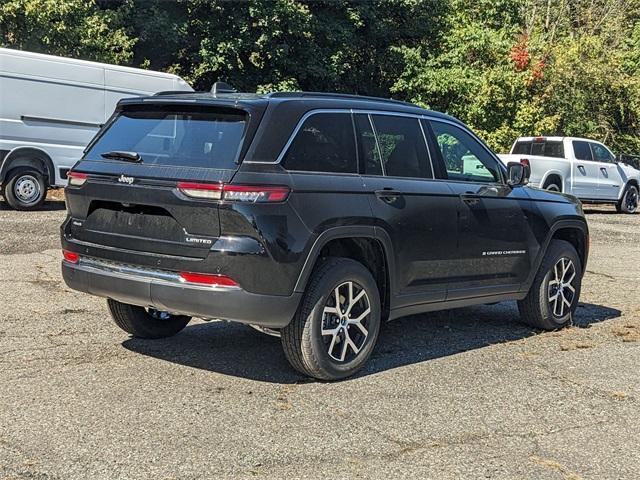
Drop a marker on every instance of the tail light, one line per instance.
(208, 191)
(206, 279)
(70, 257)
(234, 193)
(76, 178)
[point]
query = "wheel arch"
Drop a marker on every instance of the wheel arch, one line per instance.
(28, 157)
(550, 177)
(575, 232)
(367, 245)
(632, 181)
(576, 237)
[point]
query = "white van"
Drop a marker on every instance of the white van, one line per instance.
(50, 108)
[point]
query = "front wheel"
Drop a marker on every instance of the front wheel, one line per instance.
(553, 296)
(336, 327)
(146, 322)
(629, 201)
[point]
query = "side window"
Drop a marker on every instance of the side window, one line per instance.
(367, 147)
(464, 157)
(601, 154)
(581, 150)
(402, 147)
(324, 143)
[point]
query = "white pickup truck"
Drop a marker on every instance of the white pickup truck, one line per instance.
(584, 168)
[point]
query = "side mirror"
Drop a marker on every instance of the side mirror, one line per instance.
(517, 174)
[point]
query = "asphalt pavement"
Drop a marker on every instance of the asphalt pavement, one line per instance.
(468, 393)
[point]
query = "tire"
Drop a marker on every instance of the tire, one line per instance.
(25, 189)
(629, 201)
(143, 323)
(321, 356)
(538, 308)
(552, 187)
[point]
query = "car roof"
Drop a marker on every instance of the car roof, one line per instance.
(316, 100)
(554, 139)
(283, 109)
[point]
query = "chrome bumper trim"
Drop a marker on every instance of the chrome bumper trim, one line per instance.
(138, 272)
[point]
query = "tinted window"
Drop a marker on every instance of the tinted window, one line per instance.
(179, 138)
(464, 157)
(542, 147)
(522, 148)
(582, 150)
(367, 147)
(402, 147)
(324, 143)
(601, 154)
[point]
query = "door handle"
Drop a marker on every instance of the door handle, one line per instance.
(604, 171)
(582, 170)
(388, 194)
(470, 199)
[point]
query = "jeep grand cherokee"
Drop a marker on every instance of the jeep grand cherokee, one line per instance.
(313, 216)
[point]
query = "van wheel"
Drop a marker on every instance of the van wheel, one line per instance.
(629, 201)
(337, 324)
(146, 322)
(25, 189)
(553, 297)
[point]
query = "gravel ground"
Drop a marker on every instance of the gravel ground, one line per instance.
(468, 393)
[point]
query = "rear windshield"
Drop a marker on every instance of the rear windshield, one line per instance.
(544, 148)
(177, 138)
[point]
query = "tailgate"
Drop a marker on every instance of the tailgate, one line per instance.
(123, 193)
(148, 215)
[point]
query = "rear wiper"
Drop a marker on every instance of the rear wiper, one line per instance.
(125, 156)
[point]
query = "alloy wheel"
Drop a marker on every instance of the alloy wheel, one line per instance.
(561, 289)
(345, 320)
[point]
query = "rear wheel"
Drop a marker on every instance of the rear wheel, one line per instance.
(146, 322)
(553, 297)
(629, 201)
(552, 187)
(337, 324)
(25, 189)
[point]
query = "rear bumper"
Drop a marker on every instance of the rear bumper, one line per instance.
(151, 290)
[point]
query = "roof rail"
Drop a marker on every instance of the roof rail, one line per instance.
(173, 92)
(338, 95)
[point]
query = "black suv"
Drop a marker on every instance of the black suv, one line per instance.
(312, 216)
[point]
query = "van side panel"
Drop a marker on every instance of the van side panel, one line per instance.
(57, 105)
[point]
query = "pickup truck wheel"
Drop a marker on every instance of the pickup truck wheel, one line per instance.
(629, 201)
(554, 294)
(25, 189)
(337, 324)
(146, 322)
(552, 187)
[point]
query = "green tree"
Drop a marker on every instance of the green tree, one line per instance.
(76, 28)
(533, 67)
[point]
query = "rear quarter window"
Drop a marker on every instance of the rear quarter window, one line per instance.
(209, 139)
(324, 143)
